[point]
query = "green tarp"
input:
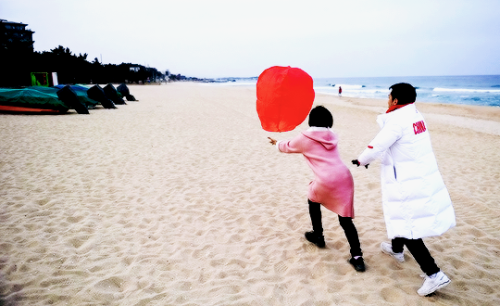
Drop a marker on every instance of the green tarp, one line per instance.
(80, 91)
(32, 98)
(42, 97)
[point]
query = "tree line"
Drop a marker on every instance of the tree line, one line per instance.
(19, 60)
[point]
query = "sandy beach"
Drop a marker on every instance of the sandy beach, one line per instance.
(179, 199)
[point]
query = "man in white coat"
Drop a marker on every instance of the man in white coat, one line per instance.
(416, 202)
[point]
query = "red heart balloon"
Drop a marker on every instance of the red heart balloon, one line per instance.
(284, 98)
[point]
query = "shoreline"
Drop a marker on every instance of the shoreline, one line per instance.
(479, 118)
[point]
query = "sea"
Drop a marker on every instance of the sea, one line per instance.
(470, 89)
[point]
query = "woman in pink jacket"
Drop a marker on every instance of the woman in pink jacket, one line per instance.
(333, 186)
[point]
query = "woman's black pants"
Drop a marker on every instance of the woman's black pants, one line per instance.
(346, 222)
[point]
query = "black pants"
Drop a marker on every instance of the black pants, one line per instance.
(346, 222)
(419, 251)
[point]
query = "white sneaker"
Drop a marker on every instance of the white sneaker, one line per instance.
(387, 249)
(434, 282)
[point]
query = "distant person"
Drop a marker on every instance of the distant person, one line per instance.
(416, 202)
(340, 91)
(333, 186)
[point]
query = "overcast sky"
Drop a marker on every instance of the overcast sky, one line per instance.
(233, 38)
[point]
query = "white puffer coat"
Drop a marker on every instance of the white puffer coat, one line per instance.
(415, 200)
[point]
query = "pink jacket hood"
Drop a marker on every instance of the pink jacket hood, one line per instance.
(322, 135)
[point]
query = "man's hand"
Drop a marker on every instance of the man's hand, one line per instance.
(272, 141)
(356, 162)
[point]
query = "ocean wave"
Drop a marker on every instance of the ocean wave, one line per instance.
(344, 86)
(468, 90)
(475, 99)
(355, 91)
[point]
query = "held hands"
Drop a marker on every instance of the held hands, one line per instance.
(272, 141)
(356, 162)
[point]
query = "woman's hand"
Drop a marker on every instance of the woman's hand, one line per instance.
(272, 141)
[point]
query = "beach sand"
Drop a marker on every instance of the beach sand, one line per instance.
(179, 199)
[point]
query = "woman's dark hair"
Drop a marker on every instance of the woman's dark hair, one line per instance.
(404, 92)
(320, 117)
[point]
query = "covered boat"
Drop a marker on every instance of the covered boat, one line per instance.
(82, 93)
(69, 96)
(112, 94)
(30, 100)
(125, 92)
(97, 93)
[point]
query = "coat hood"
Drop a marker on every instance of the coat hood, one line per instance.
(322, 135)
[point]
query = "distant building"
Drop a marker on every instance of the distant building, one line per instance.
(14, 35)
(134, 68)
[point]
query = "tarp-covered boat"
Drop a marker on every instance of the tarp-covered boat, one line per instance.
(112, 94)
(97, 93)
(125, 92)
(30, 100)
(81, 92)
(69, 96)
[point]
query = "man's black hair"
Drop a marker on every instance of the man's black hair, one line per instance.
(320, 117)
(404, 92)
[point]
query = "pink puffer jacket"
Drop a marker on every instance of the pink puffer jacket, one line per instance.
(333, 185)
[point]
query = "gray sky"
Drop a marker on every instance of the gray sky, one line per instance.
(240, 38)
